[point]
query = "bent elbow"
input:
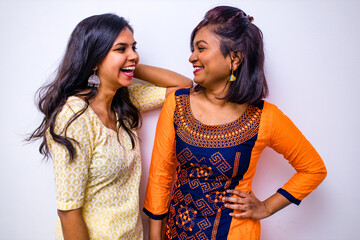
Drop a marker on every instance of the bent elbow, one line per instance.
(324, 174)
(65, 214)
(320, 175)
(189, 83)
(62, 214)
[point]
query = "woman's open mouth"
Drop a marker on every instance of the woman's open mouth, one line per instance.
(128, 71)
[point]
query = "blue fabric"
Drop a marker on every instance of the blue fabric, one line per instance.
(289, 196)
(211, 160)
(153, 216)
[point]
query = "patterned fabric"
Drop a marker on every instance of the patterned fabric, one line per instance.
(220, 136)
(210, 159)
(104, 177)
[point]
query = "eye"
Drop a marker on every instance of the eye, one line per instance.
(121, 49)
(134, 48)
(201, 48)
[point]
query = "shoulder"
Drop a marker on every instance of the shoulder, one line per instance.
(137, 88)
(170, 104)
(270, 113)
(270, 108)
(74, 106)
(170, 100)
(178, 96)
(134, 87)
(146, 96)
(182, 91)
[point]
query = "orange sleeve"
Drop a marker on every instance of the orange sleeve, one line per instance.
(163, 163)
(287, 139)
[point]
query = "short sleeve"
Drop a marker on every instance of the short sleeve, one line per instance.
(288, 140)
(71, 177)
(163, 163)
(147, 96)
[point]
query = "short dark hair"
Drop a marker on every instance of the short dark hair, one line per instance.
(239, 35)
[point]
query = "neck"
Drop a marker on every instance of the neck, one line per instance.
(215, 97)
(103, 99)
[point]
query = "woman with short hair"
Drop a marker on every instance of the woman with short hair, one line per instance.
(211, 138)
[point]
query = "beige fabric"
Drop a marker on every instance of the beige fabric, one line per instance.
(104, 177)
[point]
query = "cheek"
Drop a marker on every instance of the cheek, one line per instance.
(137, 58)
(120, 61)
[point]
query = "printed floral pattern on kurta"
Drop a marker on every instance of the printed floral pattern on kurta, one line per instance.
(104, 177)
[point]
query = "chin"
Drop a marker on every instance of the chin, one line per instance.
(126, 83)
(198, 82)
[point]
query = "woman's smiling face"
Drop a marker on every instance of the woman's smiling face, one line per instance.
(211, 68)
(117, 68)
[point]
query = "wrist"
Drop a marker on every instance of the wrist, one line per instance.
(267, 211)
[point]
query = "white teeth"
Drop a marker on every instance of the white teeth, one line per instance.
(197, 68)
(129, 68)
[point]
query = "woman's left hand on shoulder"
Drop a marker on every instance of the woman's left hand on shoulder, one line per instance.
(246, 204)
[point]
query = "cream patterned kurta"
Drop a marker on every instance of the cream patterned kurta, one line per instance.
(104, 177)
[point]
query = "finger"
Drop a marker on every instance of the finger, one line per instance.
(240, 215)
(243, 207)
(240, 207)
(234, 200)
(237, 192)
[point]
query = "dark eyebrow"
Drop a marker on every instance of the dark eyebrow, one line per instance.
(124, 44)
(200, 41)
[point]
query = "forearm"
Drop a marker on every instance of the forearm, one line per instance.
(155, 229)
(161, 77)
(73, 225)
(275, 203)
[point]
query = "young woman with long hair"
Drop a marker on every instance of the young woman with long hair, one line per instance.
(91, 113)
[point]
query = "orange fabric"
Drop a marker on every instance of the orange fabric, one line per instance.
(276, 131)
(163, 161)
(287, 140)
(244, 229)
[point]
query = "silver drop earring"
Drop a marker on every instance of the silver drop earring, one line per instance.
(94, 80)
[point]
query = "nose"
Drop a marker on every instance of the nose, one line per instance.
(193, 57)
(133, 56)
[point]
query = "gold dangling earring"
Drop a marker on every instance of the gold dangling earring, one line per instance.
(232, 77)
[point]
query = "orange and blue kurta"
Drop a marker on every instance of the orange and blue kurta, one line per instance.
(209, 159)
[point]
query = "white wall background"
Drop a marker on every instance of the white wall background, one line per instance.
(313, 69)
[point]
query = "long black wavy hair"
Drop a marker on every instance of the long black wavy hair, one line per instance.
(239, 35)
(88, 45)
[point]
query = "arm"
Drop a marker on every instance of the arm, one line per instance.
(73, 225)
(162, 77)
(70, 194)
(286, 139)
(162, 169)
(156, 229)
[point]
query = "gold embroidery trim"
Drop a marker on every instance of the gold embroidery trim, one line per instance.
(198, 134)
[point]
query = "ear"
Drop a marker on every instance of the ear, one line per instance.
(95, 68)
(236, 59)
